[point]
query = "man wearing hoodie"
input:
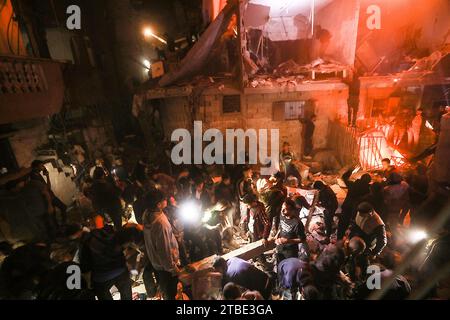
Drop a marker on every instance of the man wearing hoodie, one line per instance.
(161, 245)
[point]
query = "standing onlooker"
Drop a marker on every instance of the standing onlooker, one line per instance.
(357, 190)
(415, 129)
(396, 199)
(102, 255)
(38, 203)
(161, 245)
(292, 232)
(245, 186)
(105, 197)
(328, 200)
(37, 167)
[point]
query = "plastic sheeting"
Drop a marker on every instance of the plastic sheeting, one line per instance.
(197, 57)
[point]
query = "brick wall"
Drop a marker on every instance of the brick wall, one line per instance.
(257, 113)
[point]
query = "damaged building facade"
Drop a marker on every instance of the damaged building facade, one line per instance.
(265, 92)
(55, 87)
(266, 64)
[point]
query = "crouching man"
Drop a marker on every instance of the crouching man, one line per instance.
(370, 227)
(245, 275)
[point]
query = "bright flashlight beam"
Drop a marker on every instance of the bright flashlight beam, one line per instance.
(428, 125)
(149, 33)
(416, 236)
(190, 212)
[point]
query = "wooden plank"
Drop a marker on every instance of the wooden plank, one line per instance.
(250, 251)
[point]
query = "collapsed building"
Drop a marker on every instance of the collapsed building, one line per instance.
(266, 64)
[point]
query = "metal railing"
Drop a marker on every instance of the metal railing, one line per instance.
(355, 147)
(344, 141)
(370, 152)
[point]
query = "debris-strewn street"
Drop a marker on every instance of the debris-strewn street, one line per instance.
(224, 150)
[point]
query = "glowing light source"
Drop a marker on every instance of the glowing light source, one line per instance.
(147, 63)
(207, 216)
(190, 212)
(428, 125)
(149, 33)
(415, 236)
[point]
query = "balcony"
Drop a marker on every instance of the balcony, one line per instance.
(29, 88)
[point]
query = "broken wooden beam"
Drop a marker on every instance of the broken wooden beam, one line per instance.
(247, 252)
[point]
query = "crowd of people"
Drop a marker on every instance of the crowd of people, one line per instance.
(147, 226)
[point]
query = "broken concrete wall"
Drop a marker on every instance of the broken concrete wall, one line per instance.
(406, 27)
(257, 112)
(27, 139)
(341, 19)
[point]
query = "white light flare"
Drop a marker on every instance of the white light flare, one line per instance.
(147, 64)
(190, 212)
(149, 33)
(415, 236)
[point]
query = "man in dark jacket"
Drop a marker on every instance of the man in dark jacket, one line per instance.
(289, 274)
(328, 200)
(274, 198)
(245, 186)
(357, 190)
(102, 255)
(369, 227)
(105, 198)
(244, 274)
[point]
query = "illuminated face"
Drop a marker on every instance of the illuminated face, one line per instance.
(386, 165)
(162, 205)
(287, 211)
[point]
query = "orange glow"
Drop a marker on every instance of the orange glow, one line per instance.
(374, 148)
(99, 222)
(13, 34)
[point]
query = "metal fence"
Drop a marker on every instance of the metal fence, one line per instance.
(344, 141)
(356, 147)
